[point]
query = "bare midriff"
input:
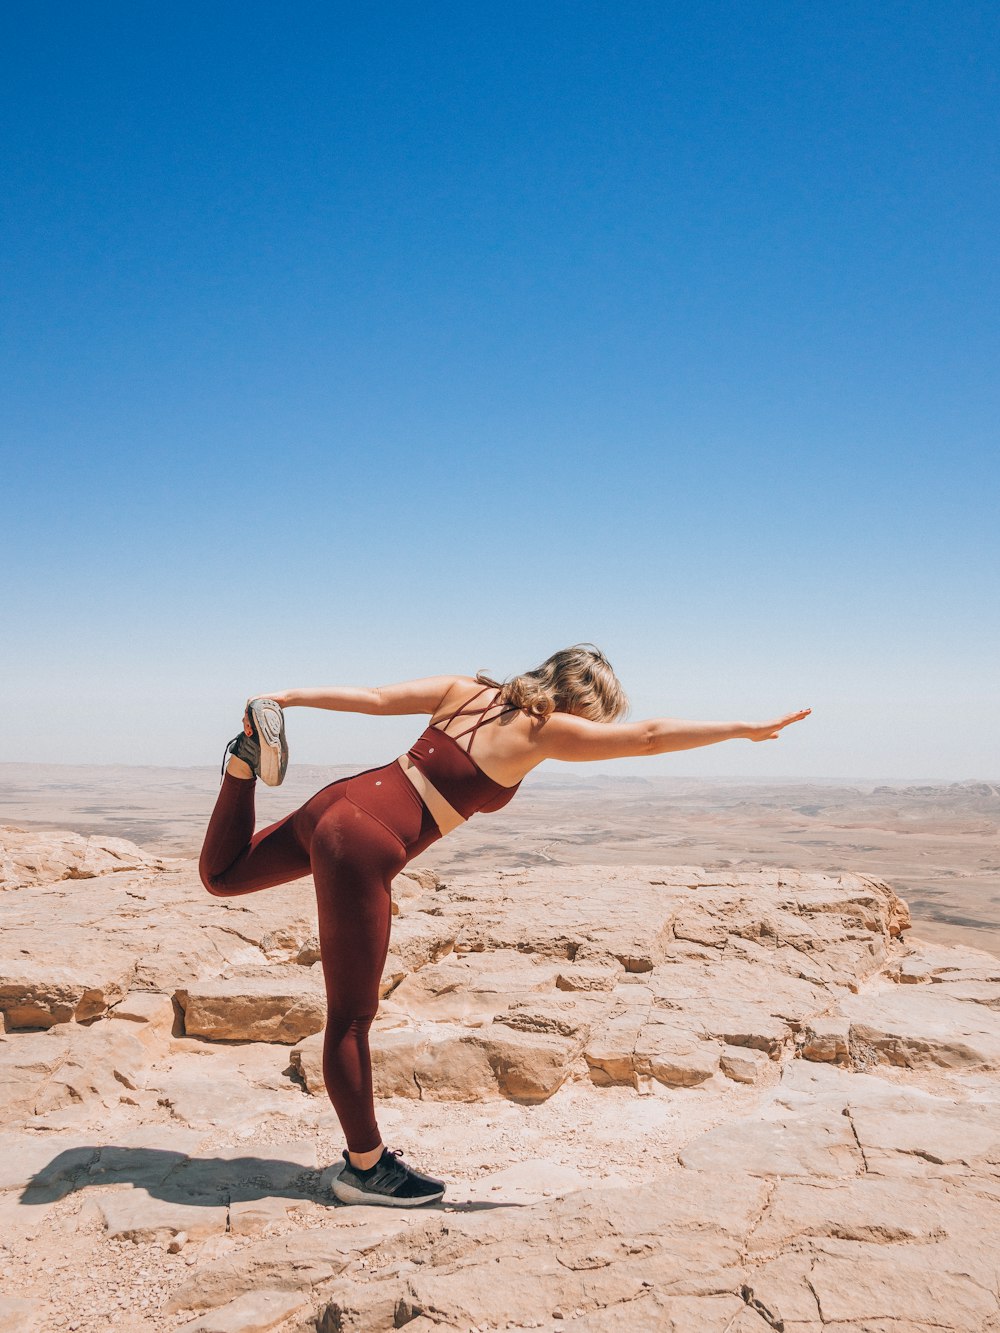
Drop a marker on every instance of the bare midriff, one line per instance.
(444, 814)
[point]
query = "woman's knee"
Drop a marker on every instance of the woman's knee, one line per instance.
(344, 1019)
(213, 883)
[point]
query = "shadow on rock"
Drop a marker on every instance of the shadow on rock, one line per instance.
(176, 1177)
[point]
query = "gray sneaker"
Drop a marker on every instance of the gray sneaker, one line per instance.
(268, 722)
(266, 750)
(390, 1183)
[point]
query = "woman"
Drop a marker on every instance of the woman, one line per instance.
(356, 834)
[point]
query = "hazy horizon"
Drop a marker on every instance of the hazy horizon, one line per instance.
(558, 772)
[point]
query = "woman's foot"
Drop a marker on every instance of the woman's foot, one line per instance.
(246, 753)
(390, 1183)
(268, 729)
(261, 745)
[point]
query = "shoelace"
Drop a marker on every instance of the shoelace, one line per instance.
(396, 1168)
(230, 751)
(393, 1172)
(225, 757)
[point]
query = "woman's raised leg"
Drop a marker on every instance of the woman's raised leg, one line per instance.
(234, 859)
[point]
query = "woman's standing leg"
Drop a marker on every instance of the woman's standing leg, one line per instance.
(354, 859)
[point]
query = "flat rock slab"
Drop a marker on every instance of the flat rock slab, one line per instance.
(586, 1252)
(254, 1312)
(907, 1293)
(242, 1177)
(140, 1216)
(42, 1158)
(923, 1028)
(296, 1262)
(524, 1183)
(868, 1210)
(822, 1144)
(929, 1137)
(208, 1099)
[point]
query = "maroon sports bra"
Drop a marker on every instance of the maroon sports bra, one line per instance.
(450, 768)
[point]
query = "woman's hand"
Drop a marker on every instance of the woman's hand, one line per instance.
(280, 699)
(768, 731)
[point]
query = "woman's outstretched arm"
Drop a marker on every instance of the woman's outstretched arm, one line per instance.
(409, 696)
(574, 738)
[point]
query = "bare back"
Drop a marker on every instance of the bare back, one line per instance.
(503, 741)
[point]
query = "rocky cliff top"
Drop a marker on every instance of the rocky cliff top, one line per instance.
(664, 1098)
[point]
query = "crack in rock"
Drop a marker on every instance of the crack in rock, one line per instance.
(771, 1185)
(769, 1316)
(854, 1130)
(815, 1293)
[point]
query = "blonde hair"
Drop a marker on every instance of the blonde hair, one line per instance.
(574, 680)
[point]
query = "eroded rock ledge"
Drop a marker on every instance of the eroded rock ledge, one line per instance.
(664, 1099)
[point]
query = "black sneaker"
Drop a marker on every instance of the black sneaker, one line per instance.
(389, 1182)
(246, 748)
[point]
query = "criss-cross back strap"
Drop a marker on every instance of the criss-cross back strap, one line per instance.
(461, 709)
(464, 712)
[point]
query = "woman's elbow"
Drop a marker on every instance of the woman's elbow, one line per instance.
(650, 739)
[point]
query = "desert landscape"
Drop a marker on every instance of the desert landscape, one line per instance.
(937, 843)
(696, 1056)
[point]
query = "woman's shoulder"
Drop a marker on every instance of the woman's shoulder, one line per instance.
(458, 692)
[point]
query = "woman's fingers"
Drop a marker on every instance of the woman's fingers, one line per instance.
(769, 731)
(794, 717)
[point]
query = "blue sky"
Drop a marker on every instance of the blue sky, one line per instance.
(347, 346)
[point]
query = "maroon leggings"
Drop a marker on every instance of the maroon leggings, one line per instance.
(353, 837)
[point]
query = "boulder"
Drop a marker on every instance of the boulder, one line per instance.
(667, 1051)
(307, 1060)
(743, 1064)
(610, 1049)
(150, 1016)
(827, 1038)
(29, 858)
(528, 1066)
(285, 1006)
(36, 993)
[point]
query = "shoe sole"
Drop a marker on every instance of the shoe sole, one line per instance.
(349, 1194)
(269, 721)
